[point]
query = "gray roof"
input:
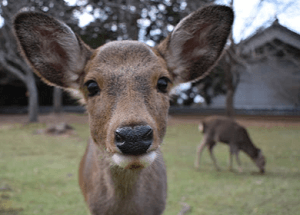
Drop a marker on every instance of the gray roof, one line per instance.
(275, 31)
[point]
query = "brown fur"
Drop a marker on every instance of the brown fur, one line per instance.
(226, 130)
(127, 74)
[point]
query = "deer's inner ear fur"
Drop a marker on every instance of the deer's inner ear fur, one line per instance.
(52, 48)
(197, 42)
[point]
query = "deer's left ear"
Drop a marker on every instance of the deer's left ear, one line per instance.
(197, 42)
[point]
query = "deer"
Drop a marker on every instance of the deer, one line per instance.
(125, 88)
(227, 130)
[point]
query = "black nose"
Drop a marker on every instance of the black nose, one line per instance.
(134, 140)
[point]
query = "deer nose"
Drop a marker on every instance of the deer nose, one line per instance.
(134, 140)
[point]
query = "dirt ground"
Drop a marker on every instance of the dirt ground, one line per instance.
(264, 121)
(245, 120)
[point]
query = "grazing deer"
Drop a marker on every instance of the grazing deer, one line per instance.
(125, 86)
(226, 130)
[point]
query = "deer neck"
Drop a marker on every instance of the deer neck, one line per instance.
(124, 180)
(119, 182)
(251, 150)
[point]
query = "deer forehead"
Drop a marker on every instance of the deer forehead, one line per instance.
(123, 64)
(125, 57)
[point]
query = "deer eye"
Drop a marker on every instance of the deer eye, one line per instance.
(162, 84)
(92, 88)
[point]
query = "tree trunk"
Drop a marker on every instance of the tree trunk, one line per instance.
(229, 103)
(32, 97)
(57, 100)
(230, 89)
(229, 78)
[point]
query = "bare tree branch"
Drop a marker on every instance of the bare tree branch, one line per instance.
(12, 69)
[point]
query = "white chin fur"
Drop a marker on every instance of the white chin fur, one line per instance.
(200, 127)
(125, 161)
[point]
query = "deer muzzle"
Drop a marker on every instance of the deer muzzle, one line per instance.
(133, 144)
(134, 140)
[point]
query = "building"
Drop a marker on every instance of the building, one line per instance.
(271, 80)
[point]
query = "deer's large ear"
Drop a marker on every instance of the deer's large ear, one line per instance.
(197, 42)
(52, 48)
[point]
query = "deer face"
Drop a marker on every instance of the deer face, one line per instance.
(260, 162)
(125, 85)
(126, 91)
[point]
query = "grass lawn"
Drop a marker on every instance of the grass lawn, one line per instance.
(38, 173)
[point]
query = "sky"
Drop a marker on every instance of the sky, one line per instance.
(246, 12)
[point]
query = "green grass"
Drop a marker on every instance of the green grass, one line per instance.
(38, 173)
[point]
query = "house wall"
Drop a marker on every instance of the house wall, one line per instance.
(266, 85)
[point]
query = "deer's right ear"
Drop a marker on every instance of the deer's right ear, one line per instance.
(196, 42)
(57, 55)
